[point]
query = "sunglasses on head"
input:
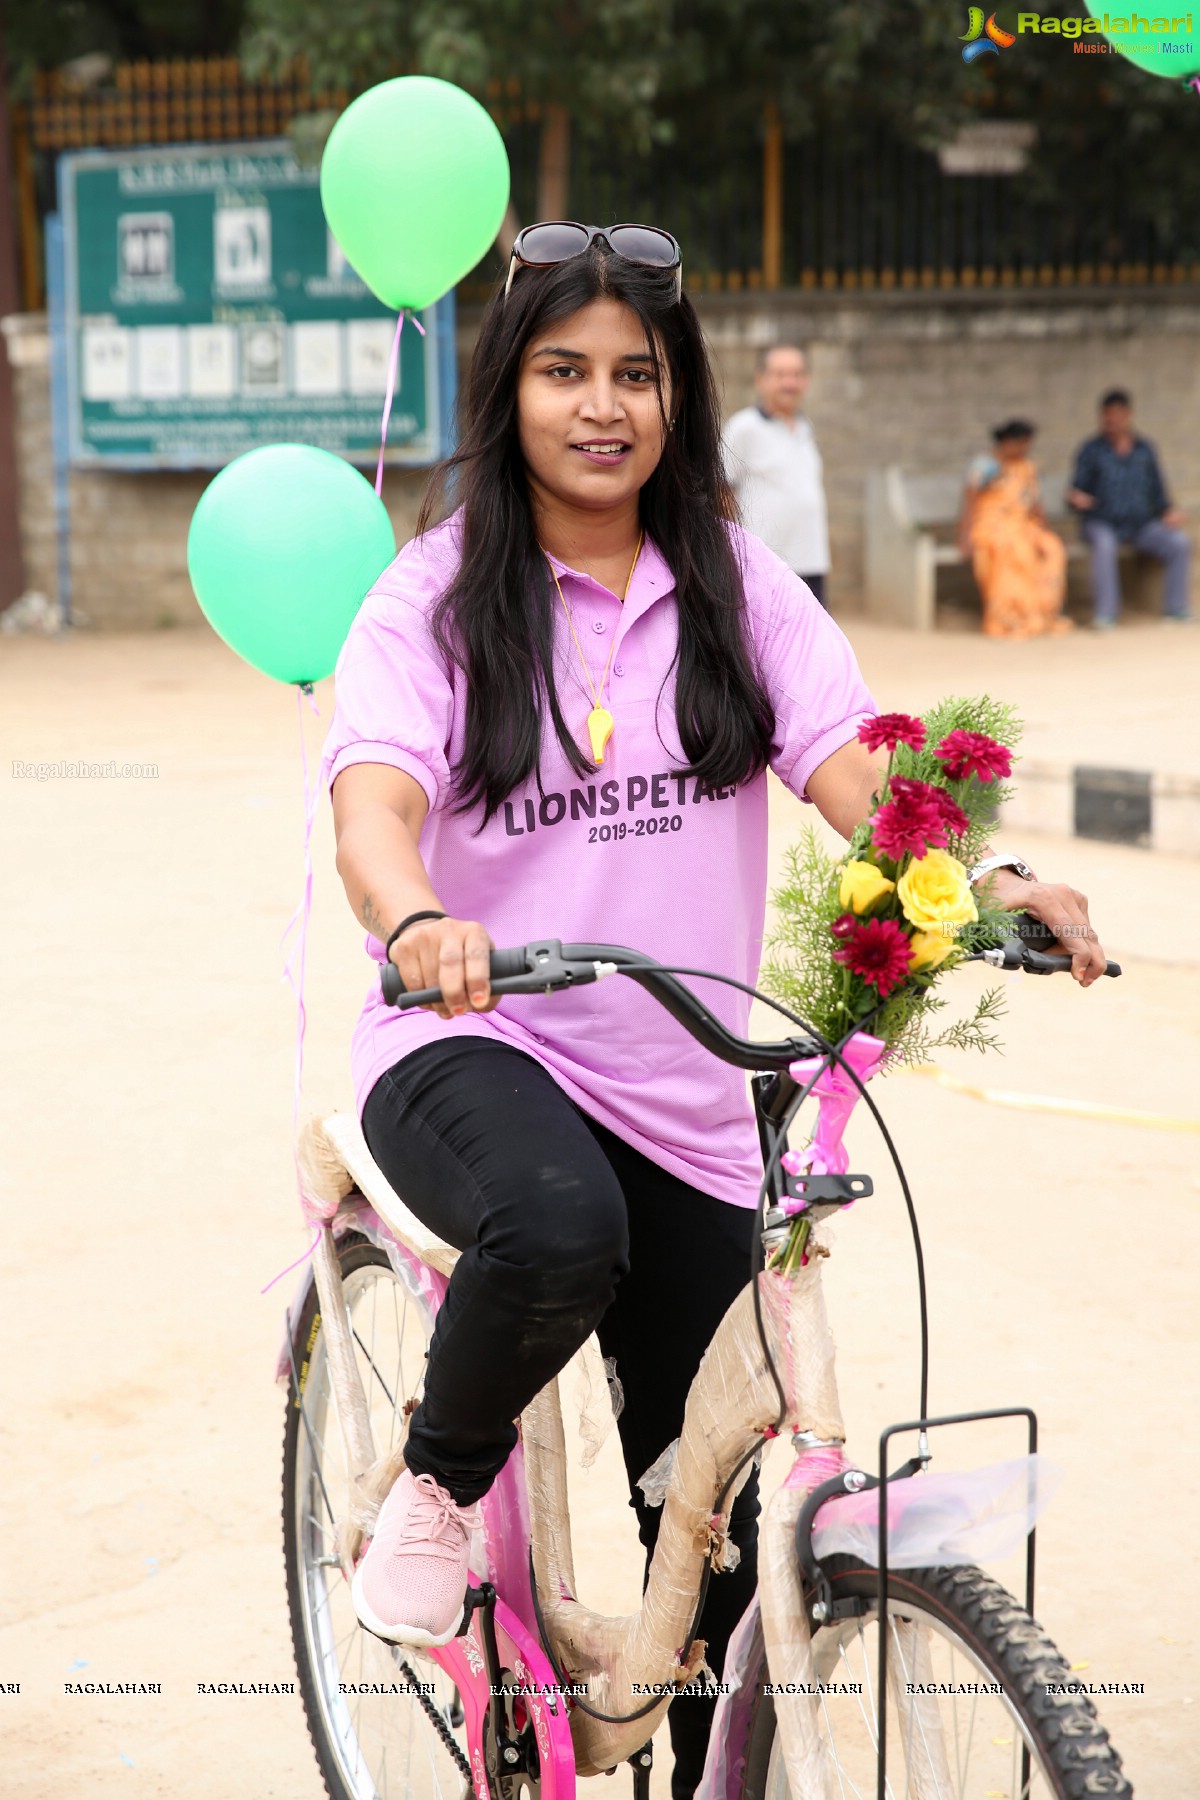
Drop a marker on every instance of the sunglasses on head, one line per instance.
(557, 241)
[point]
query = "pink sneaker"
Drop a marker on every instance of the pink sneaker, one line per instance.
(411, 1584)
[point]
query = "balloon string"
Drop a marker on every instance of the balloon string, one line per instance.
(299, 950)
(316, 1238)
(393, 364)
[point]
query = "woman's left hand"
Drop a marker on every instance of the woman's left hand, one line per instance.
(1060, 907)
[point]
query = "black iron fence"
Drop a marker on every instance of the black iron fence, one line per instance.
(750, 211)
(885, 214)
(874, 213)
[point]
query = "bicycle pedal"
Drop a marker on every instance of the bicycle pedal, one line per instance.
(476, 1599)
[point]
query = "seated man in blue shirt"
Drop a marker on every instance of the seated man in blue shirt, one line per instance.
(1119, 488)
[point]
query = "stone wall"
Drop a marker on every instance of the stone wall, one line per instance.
(128, 531)
(919, 380)
(28, 349)
(896, 377)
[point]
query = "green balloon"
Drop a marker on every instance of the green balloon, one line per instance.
(414, 182)
(1173, 54)
(284, 545)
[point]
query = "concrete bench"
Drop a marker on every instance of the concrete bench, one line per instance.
(908, 519)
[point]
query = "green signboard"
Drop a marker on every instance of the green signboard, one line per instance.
(208, 309)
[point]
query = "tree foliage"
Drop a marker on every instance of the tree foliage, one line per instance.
(646, 72)
(830, 66)
(824, 63)
(594, 66)
(654, 70)
(601, 59)
(45, 34)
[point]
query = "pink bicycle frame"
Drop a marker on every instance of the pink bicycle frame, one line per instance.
(504, 1510)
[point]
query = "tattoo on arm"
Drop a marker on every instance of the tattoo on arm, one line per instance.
(369, 914)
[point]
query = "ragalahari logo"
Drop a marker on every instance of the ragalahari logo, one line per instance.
(982, 39)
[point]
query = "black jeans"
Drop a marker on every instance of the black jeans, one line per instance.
(564, 1230)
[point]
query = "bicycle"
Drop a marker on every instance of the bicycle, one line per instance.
(537, 1688)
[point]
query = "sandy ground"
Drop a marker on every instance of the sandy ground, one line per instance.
(146, 1117)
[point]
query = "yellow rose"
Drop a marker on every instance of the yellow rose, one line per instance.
(935, 891)
(926, 949)
(862, 885)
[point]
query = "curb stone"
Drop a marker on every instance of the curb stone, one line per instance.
(1115, 805)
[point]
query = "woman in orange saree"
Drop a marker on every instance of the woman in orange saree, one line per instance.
(1019, 563)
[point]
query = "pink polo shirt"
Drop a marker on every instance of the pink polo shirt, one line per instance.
(637, 854)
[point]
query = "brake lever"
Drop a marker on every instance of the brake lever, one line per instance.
(1014, 954)
(553, 970)
(548, 972)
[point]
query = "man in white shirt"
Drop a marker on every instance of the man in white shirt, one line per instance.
(774, 467)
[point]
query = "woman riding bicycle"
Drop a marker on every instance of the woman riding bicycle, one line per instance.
(555, 713)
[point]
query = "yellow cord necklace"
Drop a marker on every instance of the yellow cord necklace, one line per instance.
(600, 722)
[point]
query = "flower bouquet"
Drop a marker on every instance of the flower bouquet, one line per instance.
(860, 943)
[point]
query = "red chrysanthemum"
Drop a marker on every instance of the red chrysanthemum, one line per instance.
(917, 793)
(912, 822)
(953, 817)
(891, 729)
(879, 952)
(974, 753)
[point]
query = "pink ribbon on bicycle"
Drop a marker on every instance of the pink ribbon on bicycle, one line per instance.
(393, 365)
(837, 1095)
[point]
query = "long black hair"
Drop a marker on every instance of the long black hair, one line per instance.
(496, 619)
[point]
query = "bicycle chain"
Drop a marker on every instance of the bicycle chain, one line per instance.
(439, 1724)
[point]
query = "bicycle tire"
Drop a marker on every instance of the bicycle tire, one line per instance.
(371, 1760)
(1071, 1755)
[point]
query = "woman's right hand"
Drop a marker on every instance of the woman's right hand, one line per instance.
(451, 954)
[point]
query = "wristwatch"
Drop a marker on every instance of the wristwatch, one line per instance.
(1000, 862)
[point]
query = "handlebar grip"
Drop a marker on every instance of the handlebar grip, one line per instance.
(1042, 951)
(501, 963)
(508, 962)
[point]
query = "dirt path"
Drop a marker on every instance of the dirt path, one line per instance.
(148, 1184)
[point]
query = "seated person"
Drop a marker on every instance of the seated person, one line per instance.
(1119, 489)
(1019, 563)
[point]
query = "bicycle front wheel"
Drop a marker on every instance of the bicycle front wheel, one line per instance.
(376, 1734)
(979, 1700)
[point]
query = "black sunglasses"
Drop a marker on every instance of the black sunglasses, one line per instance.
(557, 240)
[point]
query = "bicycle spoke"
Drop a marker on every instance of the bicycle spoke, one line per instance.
(381, 1749)
(897, 1650)
(916, 1666)
(866, 1714)
(974, 1754)
(837, 1761)
(967, 1748)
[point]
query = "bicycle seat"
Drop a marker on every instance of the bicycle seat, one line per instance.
(336, 1165)
(335, 1160)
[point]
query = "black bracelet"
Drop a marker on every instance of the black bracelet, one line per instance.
(412, 919)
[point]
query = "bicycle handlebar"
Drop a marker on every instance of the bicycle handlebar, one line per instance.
(1029, 949)
(548, 966)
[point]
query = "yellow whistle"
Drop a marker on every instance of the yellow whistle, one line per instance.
(600, 724)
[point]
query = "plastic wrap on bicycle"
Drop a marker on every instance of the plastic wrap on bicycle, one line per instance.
(731, 1404)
